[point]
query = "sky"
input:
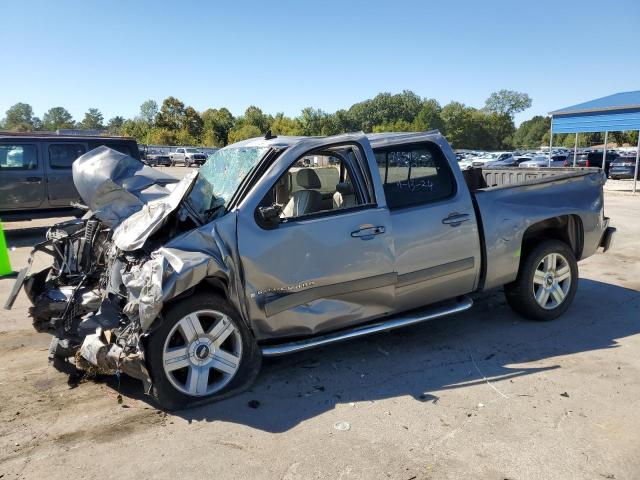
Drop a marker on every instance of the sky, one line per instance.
(283, 56)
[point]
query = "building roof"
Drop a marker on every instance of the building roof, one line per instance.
(617, 101)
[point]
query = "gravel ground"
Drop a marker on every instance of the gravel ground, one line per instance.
(482, 395)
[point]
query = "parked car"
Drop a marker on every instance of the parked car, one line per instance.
(623, 167)
(594, 159)
(36, 171)
(542, 161)
(490, 157)
(187, 157)
(512, 161)
(254, 255)
(156, 157)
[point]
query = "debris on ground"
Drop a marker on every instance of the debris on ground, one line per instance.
(342, 426)
(253, 404)
(565, 394)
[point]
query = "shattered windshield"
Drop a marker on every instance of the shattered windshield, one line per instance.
(222, 173)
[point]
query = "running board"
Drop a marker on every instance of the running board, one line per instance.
(402, 320)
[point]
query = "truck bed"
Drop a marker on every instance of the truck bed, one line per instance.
(508, 201)
(488, 178)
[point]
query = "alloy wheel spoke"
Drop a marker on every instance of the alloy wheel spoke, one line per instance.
(549, 262)
(222, 363)
(176, 358)
(221, 332)
(538, 277)
(227, 358)
(191, 327)
(197, 380)
(557, 293)
(563, 273)
(542, 296)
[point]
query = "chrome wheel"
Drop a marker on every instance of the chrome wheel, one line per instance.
(202, 353)
(551, 281)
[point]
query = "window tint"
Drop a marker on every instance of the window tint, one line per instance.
(62, 155)
(414, 175)
(18, 157)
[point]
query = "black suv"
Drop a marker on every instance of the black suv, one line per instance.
(594, 159)
(35, 170)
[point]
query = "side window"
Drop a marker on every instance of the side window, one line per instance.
(62, 155)
(18, 157)
(316, 183)
(414, 175)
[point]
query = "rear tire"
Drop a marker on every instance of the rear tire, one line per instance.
(202, 352)
(547, 282)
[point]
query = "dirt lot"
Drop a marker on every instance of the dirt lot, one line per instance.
(483, 395)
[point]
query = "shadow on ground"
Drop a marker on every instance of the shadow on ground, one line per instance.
(488, 342)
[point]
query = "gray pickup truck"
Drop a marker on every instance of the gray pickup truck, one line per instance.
(260, 254)
(187, 157)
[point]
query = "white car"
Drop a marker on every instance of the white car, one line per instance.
(485, 159)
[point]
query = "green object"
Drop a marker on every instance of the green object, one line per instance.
(5, 263)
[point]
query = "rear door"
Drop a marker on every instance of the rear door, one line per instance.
(436, 239)
(60, 156)
(22, 178)
(326, 265)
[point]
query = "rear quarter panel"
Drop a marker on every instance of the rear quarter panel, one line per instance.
(507, 212)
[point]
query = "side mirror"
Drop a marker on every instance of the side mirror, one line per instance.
(269, 217)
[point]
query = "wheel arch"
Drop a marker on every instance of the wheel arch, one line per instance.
(566, 228)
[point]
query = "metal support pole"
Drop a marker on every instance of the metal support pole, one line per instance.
(550, 141)
(575, 151)
(604, 151)
(635, 173)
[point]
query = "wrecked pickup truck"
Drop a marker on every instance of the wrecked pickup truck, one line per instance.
(186, 285)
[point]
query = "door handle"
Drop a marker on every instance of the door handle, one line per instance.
(455, 219)
(34, 179)
(367, 232)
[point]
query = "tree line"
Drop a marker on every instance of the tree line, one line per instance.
(174, 123)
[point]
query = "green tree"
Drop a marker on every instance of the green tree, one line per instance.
(193, 124)
(148, 111)
(57, 117)
(254, 116)
(507, 102)
(19, 117)
(93, 120)
(283, 125)
(114, 125)
(243, 132)
(531, 132)
(171, 114)
(217, 123)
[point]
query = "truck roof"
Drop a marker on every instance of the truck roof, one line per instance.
(376, 139)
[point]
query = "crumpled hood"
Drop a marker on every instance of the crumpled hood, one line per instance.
(133, 232)
(114, 185)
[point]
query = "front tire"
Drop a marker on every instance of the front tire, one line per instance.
(547, 282)
(201, 352)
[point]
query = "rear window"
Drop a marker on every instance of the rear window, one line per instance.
(62, 155)
(413, 175)
(18, 157)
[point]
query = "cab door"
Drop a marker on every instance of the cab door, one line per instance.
(22, 176)
(60, 156)
(318, 267)
(437, 246)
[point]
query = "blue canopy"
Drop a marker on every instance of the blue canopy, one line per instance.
(617, 112)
